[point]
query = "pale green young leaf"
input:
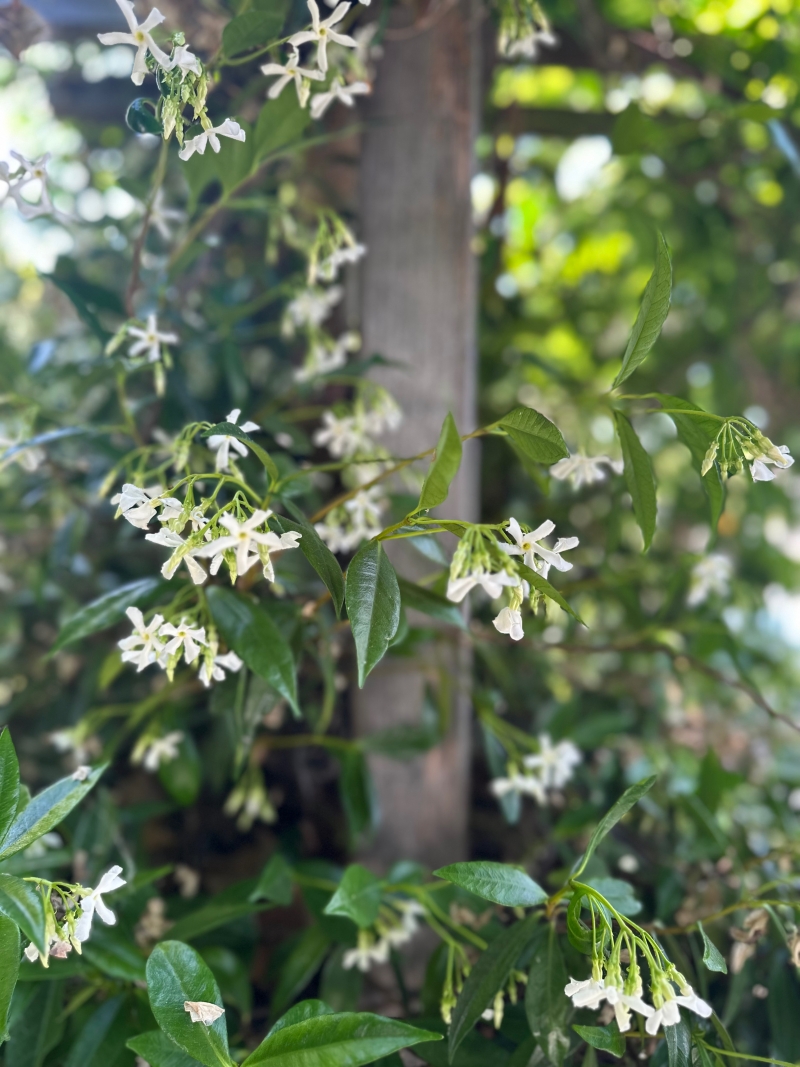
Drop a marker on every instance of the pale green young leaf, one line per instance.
(546, 1007)
(346, 1039)
(536, 437)
(157, 1050)
(498, 882)
(108, 610)
(22, 903)
(712, 957)
(638, 477)
(175, 974)
(444, 467)
(372, 596)
(358, 896)
(9, 969)
(252, 634)
(275, 882)
(489, 974)
(652, 313)
(45, 811)
(9, 782)
(228, 429)
(632, 795)
(697, 433)
(606, 1038)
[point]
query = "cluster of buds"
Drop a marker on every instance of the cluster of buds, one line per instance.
(250, 801)
(69, 911)
(333, 247)
(738, 442)
(523, 29)
(397, 923)
(494, 1013)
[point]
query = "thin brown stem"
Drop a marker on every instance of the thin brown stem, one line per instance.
(138, 248)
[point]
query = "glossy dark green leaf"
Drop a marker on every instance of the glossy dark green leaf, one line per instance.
(253, 29)
(536, 581)
(373, 605)
(23, 904)
(253, 635)
(9, 783)
(9, 969)
(114, 953)
(176, 974)
(141, 117)
(697, 433)
(346, 1039)
(489, 974)
(632, 795)
(358, 896)
(228, 429)
(638, 478)
(157, 1050)
(98, 1043)
(606, 1038)
(298, 1013)
(38, 1027)
(712, 957)
(536, 437)
(652, 313)
(498, 882)
(546, 1006)
(108, 610)
(316, 552)
(444, 467)
(679, 1044)
(418, 598)
(45, 811)
(784, 1018)
(275, 882)
(304, 961)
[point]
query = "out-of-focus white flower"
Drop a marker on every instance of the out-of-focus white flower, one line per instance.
(493, 582)
(162, 216)
(144, 646)
(33, 170)
(92, 902)
(343, 436)
(323, 358)
(584, 470)
(229, 128)
(321, 32)
(710, 575)
(367, 952)
(309, 308)
(528, 546)
(140, 36)
(214, 670)
(554, 763)
(528, 785)
(222, 443)
(158, 750)
(349, 253)
(778, 456)
(346, 94)
(291, 71)
(150, 340)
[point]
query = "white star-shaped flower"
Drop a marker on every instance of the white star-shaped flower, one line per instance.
(584, 470)
(342, 436)
(229, 128)
(322, 359)
(250, 543)
(291, 71)
(322, 32)
(222, 443)
(92, 902)
(138, 506)
(554, 763)
(528, 546)
(214, 670)
(140, 36)
(33, 170)
(186, 61)
(160, 750)
(184, 637)
(346, 94)
(492, 582)
(523, 784)
(310, 308)
(587, 994)
(150, 340)
(144, 646)
(509, 621)
(779, 455)
(169, 539)
(623, 1004)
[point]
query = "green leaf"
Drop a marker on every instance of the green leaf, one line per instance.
(304, 961)
(253, 29)
(638, 477)
(107, 610)
(358, 896)
(280, 124)
(37, 1028)
(712, 957)
(679, 1044)
(619, 894)
(697, 434)
(228, 429)
(306, 1009)
(100, 1038)
(444, 468)
(498, 882)
(275, 883)
(632, 795)
(23, 904)
(346, 1039)
(141, 117)
(253, 635)
(536, 581)
(9, 782)
(357, 793)
(175, 974)
(372, 596)
(652, 312)
(537, 438)
(339, 987)
(9, 969)
(418, 598)
(488, 975)
(156, 1049)
(579, 934)
(233, 903)
(546, 1006)
(114, 952)
(316, 552)
(46, 811)
(606, 1038)
(182, 777)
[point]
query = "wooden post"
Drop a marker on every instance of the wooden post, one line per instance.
(418, 308)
